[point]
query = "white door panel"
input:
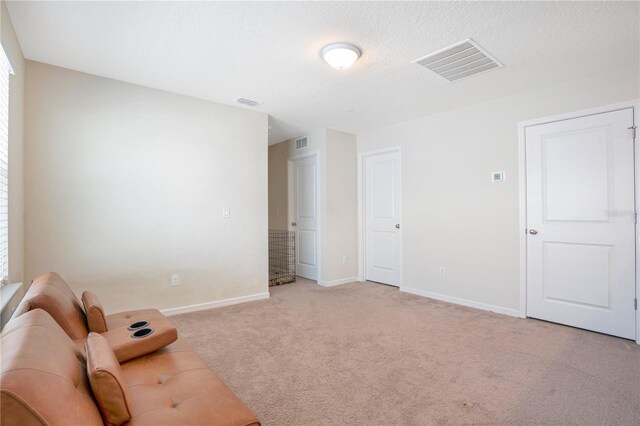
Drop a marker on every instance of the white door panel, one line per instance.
(305, 216)
(383, 250)
(567, 280)
(580, 204)
(307, 248)
(382, 200)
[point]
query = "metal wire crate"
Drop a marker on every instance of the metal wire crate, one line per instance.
(282, 257)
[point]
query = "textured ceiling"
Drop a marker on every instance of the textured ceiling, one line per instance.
(269, 51)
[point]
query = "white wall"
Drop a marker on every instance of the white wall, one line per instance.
(125, 185)
(12, 48)
(453, 216)
(338, 194)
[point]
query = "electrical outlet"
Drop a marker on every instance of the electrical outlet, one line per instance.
(497, 177)
(175, 279)
(443, 271)
(344, 260)
(226, 212)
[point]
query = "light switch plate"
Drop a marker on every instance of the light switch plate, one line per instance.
(497, 177)
(226, 212)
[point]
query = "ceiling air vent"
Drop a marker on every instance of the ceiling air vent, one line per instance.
(302, 142)
(248, 102)
(459, 61)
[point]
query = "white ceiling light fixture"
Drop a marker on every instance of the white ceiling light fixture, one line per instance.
(340, 55)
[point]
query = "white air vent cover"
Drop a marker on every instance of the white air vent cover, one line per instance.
(302, 142)
(459, 61)
(248, 102)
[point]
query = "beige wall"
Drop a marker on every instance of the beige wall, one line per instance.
(341, 214)
(338, 195)
(125, 186)
(453, 216)
(277, 187)
(12, 48)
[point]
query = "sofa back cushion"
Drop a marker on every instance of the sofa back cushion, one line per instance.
(52, 294)
(107, 383)
(42, 375)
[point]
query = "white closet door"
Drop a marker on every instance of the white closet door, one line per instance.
(305, 220)
(383, 236)
(581, 232)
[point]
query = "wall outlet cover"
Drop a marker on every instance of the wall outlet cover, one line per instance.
(497, 177)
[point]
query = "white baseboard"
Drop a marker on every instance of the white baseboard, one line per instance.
(214, 304)
(463, 302)
(337, 282)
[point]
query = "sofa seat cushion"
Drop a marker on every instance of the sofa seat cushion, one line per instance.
(124, 319)
(173, 386)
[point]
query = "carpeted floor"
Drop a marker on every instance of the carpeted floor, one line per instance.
(367, 354)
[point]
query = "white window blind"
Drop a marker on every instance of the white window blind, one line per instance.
(5, 72)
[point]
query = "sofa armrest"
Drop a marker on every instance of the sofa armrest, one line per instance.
(141, 338)
(94, 312)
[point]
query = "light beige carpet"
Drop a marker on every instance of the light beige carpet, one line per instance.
(367, 354)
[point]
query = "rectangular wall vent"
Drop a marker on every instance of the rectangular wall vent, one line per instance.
(248, 102)
(459, 61)
(302, 142)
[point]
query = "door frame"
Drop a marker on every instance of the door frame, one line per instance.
(319, 210)
(362, 156)
(522, 186)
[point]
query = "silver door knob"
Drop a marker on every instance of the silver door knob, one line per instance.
(293, 224)
(397, 226)
(533, 231)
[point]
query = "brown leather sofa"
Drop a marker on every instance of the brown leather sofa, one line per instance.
(50, 292)
(63, 374)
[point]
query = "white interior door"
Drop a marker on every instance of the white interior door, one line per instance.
(580, 217)
(305, 215)
(382, 204)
